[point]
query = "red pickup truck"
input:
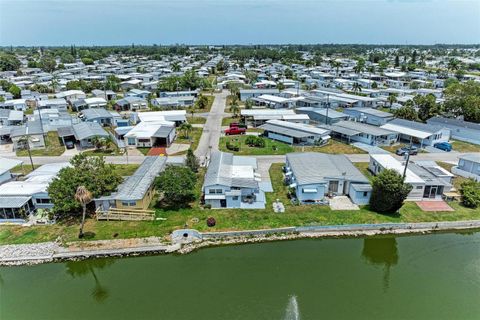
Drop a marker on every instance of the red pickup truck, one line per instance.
(235, 130)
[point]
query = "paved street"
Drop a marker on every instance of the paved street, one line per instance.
(212, 129)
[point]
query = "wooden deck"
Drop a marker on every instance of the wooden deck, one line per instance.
(126, 215)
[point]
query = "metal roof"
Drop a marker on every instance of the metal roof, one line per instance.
(297, 130)
(163, 132)
(471, 157)
(332, 114)
(94, 113)
(224, 168)
(440, 121)
(13, 202)
(313, 167)
(85, 130)
(137, 185)
(370, 111)
(8, 164)
(359, 128)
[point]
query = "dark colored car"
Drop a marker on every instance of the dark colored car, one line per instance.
(445, 146)
(235, 130)
(238, 125)
(404, 150)
(69, 144)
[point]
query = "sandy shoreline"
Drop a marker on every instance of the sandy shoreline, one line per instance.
(30, 254)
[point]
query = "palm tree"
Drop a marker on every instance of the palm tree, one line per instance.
(176, 67)
(453, 64)
(392, 98)
(336, 64)
(234, 108)
(84, 197)
(108, 141)
(186, 128)
(54, 83)
(357, 87)
(98, 142)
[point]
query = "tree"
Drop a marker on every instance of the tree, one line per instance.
(336, 64)
(427, 107)
(92, 173)
(470, 191)
(177, 185)
(463, 99)
(192, 161)
(450, 81)
(202, 102)
(397, 61)
(235, 109)
(388, 191)
(87, 61)
(83, 196)
(8, 62)
(357, 87)
(176, 67)
(47, 63)
(249, 104)
(360, 66)
(186, 128)
(407, 113)
(392, 98)
(15, 91)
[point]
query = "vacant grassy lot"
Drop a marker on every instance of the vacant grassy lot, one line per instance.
(193, 138)
(232, 219)
(53, 148)
(103, 152)
(462, 146)
(126, 169)
(332, 147)
(196, 120)
(271, 147)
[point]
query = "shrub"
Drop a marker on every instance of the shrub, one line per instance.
(207, 206)
(470, 190)
(211, 222)
(232, 147)
(388, 192)
(254, 141)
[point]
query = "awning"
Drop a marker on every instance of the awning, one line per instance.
(214, 197)
(325, 138)
(293, 185)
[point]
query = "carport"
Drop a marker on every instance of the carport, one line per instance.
(161, 138)
(66, 134)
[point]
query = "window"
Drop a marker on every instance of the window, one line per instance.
(215, 191)
(365, 194)
(129, 203)
(419, 187)
(43, 201)
(235, 198)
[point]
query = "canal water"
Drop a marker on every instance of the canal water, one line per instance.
(414, 277)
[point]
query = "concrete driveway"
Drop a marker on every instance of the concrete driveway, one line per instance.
(212, 128)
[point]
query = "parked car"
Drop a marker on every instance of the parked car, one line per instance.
(445, 146)
(235, 130)
(69, 144)
(238, 125)
(404, 150)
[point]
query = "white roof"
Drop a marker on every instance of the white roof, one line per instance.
(171, 115)
(406, 130)
(69, 93)
(8, 164)
(266, 112)
(272, 98)
(95, 101)
(147, 129)
(389, 162)
(245, 172)
(36, 182)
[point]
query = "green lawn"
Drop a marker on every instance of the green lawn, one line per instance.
(103, 152)
(143, 150)
(227, 120)
(26, 168)
(232, 219)
(363, 167)
(462, 146)
(271, 147)
(194, 137)
(209, 106)
(196, 120)
(53, 148)
(126, 170)
(332, 147)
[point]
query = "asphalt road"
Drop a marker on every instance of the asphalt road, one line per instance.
(212, 128)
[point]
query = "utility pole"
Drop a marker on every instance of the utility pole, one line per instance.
(408, 159)
(328, 106)
(41, 122)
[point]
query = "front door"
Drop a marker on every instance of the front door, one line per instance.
(433, 192)
(223, 203)
(333, 186)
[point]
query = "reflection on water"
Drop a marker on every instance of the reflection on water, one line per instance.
(292, 312)
(83, 268)
(381, 252)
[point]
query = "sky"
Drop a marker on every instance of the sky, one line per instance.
(123, 22)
